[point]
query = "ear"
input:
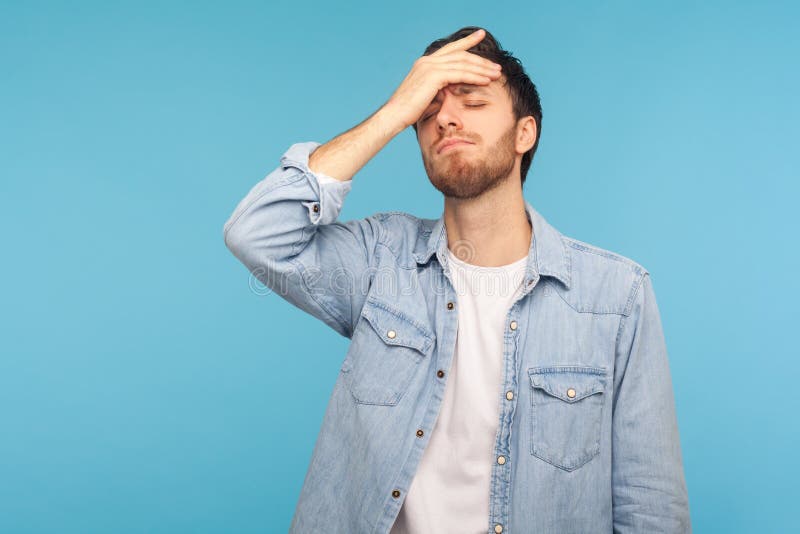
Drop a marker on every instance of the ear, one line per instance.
(526, 134)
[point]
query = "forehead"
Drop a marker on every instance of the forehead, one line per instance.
(469, 89)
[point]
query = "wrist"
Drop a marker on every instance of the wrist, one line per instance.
(389, 121)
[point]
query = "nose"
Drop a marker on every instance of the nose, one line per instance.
(448, 110)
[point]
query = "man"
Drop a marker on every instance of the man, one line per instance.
(501, 377)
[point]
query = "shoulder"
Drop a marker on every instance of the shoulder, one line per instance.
(589, 253)
(603, 280)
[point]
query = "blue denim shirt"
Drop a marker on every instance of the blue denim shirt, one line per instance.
(589, 433)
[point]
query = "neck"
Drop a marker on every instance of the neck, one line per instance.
(490, 230)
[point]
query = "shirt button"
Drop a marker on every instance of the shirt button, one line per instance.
(571, 393)
(498, 528)
(509, 395)
(513, 325)
(450, 306)
(420, 433)
(391, 334)
(501, 460)
(315, 208)
(440, 373)
(396, 493)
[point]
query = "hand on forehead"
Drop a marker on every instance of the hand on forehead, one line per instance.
(465, 88)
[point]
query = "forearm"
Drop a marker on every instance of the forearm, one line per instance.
(343, 156)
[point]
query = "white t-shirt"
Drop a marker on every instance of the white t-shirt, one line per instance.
(450, 491)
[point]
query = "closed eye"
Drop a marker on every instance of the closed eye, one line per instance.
(467, 105)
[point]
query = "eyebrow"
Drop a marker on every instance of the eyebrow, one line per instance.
(468, 88)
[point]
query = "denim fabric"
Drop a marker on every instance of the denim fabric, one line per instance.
(589, 433)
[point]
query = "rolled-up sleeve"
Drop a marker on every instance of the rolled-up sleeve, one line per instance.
(285, 231)
(649, 487)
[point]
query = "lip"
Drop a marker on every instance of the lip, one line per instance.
(451, 142)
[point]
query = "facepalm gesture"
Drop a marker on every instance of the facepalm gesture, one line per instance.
(451, 64)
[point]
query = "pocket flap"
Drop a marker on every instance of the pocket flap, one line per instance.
(396, 327)
(569, 383)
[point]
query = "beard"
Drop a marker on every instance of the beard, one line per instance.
(456, 175)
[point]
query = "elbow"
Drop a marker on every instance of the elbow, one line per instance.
(239, 237)
(256, 241)
(230, 236)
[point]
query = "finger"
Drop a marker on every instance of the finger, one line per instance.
(454, 76)
(477, 68)
(480, 69)
(476, 59)
(465, 43)
(469, 57)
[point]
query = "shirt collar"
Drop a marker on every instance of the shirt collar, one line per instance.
(548, 255)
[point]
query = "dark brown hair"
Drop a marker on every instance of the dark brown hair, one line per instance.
(523, 93)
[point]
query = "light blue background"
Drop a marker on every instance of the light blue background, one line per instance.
(146, 386)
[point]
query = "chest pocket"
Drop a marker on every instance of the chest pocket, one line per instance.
(566, 413)
(386, 350)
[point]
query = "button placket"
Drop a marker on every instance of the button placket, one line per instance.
(502, 459)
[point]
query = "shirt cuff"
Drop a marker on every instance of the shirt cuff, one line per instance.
(329, 191)
(325, 179)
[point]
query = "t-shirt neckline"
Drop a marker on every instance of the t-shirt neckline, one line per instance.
(499, 268)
